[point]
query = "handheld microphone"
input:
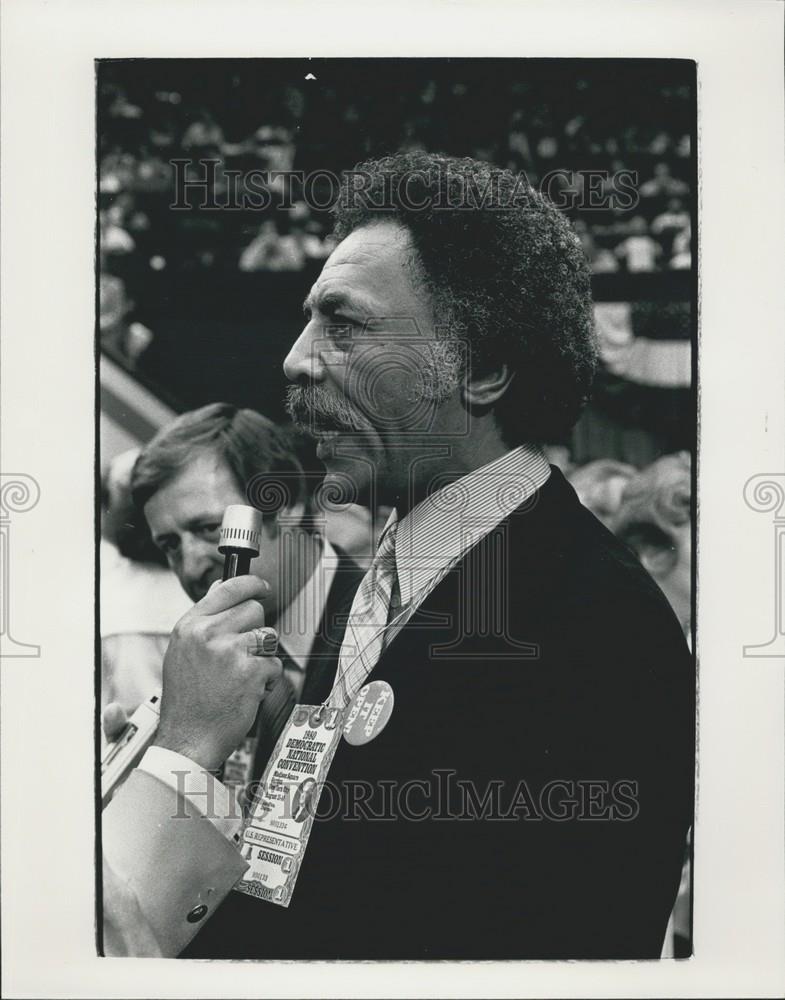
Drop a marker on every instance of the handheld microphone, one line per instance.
(239, 540)
(241, 533)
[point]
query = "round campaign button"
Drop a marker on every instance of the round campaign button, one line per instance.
(369, 712)
(300, 716)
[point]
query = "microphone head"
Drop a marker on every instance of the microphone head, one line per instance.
(241, 528)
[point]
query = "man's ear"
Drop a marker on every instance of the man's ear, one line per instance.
(487, 389)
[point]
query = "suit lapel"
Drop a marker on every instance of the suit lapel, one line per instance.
(526, 546)
(515, 560)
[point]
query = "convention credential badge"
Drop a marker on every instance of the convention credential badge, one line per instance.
(283, 809)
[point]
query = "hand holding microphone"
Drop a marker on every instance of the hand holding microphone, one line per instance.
(217, 669)
(216, 672)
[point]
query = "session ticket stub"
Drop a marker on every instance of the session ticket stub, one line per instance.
(283, 809)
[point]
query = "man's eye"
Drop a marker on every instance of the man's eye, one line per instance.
(210, 530)
(340, 331)
(167, 545)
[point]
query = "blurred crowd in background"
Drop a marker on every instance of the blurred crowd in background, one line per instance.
(556, 123)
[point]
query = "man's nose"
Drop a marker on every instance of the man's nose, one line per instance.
(197, 557)
(303, 362)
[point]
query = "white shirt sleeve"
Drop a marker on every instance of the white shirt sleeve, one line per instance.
(204, 792)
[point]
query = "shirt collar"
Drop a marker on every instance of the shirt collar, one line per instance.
(298, 624)
(444, 526)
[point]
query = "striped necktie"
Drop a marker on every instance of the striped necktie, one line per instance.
(364, 637)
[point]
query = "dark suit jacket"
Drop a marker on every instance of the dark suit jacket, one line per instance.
(548, 675)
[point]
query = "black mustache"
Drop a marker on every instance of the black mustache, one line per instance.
(316, 409)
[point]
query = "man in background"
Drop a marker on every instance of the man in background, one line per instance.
(181, 484)
(140, 599)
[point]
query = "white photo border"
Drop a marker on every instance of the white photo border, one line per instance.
(48, 433)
